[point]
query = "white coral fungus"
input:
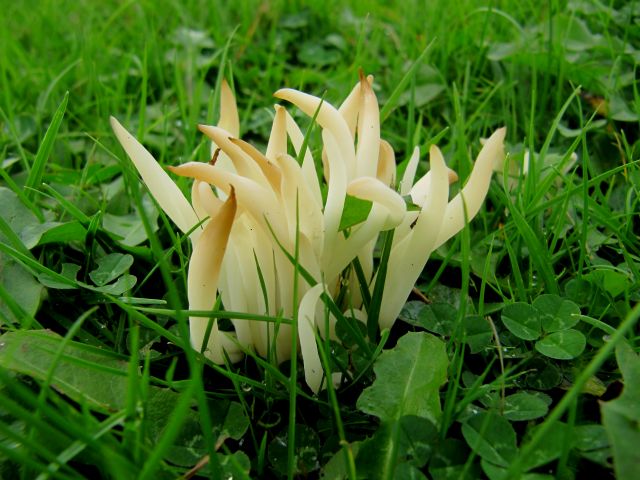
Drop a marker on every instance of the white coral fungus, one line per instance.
(265, 203)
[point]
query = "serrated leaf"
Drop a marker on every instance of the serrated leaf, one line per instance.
(562, 345)
(522, 320)
(408, 380)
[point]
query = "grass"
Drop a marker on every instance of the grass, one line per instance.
(536, 299)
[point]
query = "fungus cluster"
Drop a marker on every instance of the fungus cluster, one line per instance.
(251, 210)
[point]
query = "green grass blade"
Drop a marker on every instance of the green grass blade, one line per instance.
(373, 314)
(400, 87)
(37, 169)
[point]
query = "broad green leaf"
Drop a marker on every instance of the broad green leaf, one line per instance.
(555, 440)
(522, 320)
(439, 318)
(24, 126)
(392, 101)
(592, 442)
(478, 334)
(318, 54)
(492, 437)
(337, 468)
(235, 465)
(406, 471)
(307, 451)
(19, 218)
(621, 110)
(448, 461)
(350, 331)
(20, 286)
(128, 229)
(32, 234)
(411, 311)
(576, 33)
(500, 51)
(69, 270)
(64, 233)
(581, 291)
(494, 472)
(590, 436)
(120, 286)
(543, 375)
(557, 313)
(436, 317)
(621, 416)
(110, 267)
(408, 441)
(562, 345)
(422, 95)
(408, 380)
(611, 281)
(524, 406)
(236, 422)
(416, 440)
(376, 456)
(86, 374)
(355, 211)
(575, 132)
(228, 420)
(189, 446)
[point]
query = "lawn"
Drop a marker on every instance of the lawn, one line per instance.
(332, 348)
